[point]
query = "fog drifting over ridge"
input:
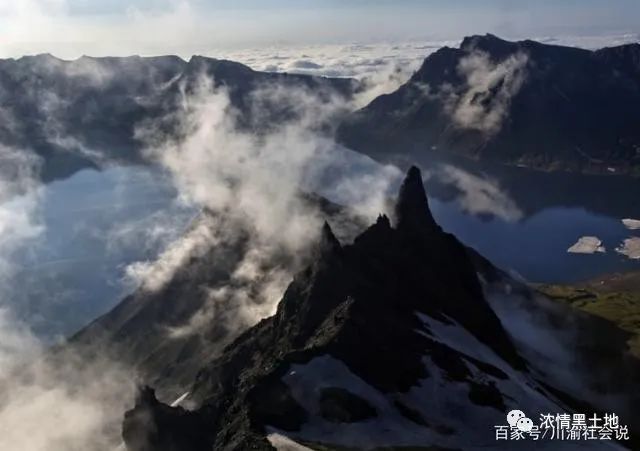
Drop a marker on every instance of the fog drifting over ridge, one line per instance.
(253, 182)
(253, 185)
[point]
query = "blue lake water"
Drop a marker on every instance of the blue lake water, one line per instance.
(99, 222)
(95, 224)
(539, 216)
(536, 247)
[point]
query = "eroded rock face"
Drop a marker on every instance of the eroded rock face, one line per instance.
(387, 342)
(358, 304)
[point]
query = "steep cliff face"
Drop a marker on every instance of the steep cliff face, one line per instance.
(521, 103)
(386, 342)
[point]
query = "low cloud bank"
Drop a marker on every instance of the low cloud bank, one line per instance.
(71, 403)
(382, 68)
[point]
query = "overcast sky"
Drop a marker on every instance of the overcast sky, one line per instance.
(70, 28)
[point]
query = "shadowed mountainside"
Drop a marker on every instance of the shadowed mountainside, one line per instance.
(373, 345)
(521, 103)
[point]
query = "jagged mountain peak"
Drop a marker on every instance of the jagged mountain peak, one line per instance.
(373, 308)
(412, 207)
(383, 219)
(328, 239)
(372, 347)
(146, 395)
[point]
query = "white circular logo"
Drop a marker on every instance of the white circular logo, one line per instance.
(524, 424)
(514, 416)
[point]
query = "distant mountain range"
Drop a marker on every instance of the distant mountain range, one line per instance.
(76, 114)
(405, 339)
(519, 103)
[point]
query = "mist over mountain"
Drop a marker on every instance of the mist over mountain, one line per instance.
(177, 320)
(250, 177)
(267, 307)
(84, 113)
(519, 103)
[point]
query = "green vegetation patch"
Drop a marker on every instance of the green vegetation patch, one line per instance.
(615, 298)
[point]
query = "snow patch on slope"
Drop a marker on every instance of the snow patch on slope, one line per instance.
(519, 391)
(387, 429)
(284, 443)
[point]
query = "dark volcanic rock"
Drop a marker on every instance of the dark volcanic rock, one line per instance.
(389, 343)
(412, 209)
(358, 304)
(152, 426)
(341, 406)
(521, 103)
(274, 405)
(624, 58)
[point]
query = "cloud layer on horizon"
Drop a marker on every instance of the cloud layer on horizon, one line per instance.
(70, 29)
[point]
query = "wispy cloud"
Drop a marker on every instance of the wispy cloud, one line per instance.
(381, 67)
(251, 187)
(73, 403)
(45, 404)
(479, 194)
(484, 102)
(19, 209)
